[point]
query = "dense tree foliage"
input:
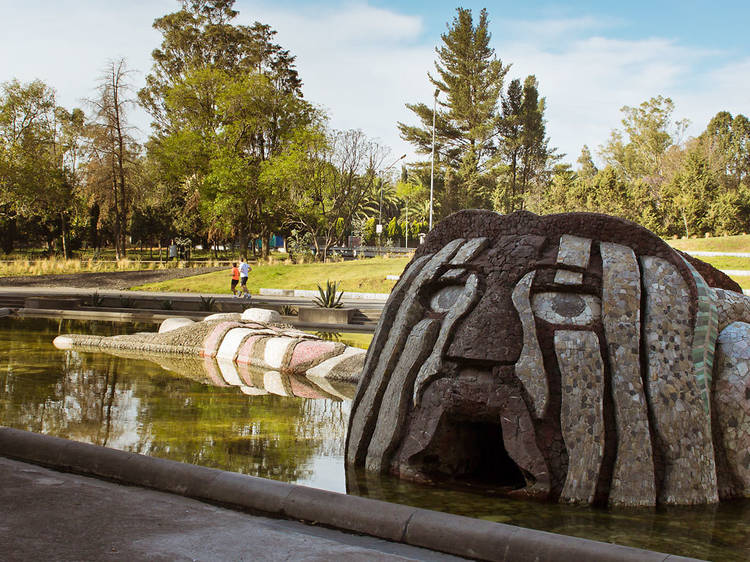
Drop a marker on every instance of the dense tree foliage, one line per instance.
(39, 150)
(673, 188)
(236, 153)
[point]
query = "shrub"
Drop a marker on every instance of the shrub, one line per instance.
(328, 297)
(288, 310)
(208, 304)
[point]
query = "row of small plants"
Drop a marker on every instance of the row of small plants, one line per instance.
(207, 304)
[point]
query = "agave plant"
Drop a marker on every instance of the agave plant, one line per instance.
(207, 303)
(287, 310)
(329, 298)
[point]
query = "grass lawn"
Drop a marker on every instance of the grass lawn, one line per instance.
(740, 243)
(726, 262)
(365, 276)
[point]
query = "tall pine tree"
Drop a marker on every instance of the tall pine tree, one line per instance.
(469, 81)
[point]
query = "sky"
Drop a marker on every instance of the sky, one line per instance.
(363, 60)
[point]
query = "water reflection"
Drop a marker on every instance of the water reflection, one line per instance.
(186, 410)
(136, 405)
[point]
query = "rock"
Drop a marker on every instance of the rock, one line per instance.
(231, 316)
(261, 315)
(173, 323)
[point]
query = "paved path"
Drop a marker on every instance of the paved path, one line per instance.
(47, 515)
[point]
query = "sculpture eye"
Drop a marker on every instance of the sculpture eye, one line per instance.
(567, 308)
(444, 299)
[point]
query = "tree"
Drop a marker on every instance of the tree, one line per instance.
(692, 192)
(39, 144)
(639, 150)
(324, 177)
(113, 150)
(587, 169)
(471, 77)
(524, 156)
(224, 99)
(726, 142)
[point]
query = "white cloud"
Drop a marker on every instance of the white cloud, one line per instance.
(364, 63)
(360, 62)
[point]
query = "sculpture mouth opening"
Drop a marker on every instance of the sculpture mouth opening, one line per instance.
(469, 452)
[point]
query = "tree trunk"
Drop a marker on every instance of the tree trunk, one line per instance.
(63, 234)
(244, 241)
(115, 196)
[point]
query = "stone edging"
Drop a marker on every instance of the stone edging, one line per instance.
(453, 534)
(311, 294)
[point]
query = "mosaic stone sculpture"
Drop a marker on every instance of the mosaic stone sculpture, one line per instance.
(241, 347)
(570, 357)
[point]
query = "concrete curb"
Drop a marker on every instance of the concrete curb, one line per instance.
(453, 534)
(312, 294)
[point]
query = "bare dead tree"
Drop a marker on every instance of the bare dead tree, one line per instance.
(112, 146)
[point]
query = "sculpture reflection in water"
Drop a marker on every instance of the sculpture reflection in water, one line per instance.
(569, 357)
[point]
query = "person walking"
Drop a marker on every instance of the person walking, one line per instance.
(244, 273)
(235, 279)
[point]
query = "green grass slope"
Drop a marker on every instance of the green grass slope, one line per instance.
(366, 276)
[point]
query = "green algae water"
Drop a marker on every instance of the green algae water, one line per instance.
(175, 410)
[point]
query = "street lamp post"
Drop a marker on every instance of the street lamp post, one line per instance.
(380, 205)
(406, 243)
(432, 166)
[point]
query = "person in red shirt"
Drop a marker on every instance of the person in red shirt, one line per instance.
(235, 279)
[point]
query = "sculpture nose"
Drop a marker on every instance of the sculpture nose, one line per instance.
(491, 333)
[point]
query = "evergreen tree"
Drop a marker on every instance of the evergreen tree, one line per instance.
(524, 155)
(470, 77)
(726, 142)
(587, 169)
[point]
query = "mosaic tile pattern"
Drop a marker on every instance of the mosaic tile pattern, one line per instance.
(469, 251)
(705, 333)
(391, 414)
(216, 336)
(633, 473)
(384, 356)
(732, 307)
(231, 343)
(431, 367)
(681, 424)
(581, 412)
(574, 251)
(530, 365)
(567, 277)
(591, 344)
(567, 309)
(731, 402)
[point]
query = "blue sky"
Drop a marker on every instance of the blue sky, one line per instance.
(363, 60)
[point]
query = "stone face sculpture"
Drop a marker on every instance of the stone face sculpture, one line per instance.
(241, 346)
(569, 356)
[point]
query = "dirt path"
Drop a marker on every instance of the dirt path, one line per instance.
(112, 280)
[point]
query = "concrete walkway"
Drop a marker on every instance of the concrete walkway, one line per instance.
(47, 515)
(65, 516)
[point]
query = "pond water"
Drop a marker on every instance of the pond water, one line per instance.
(177, 411)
